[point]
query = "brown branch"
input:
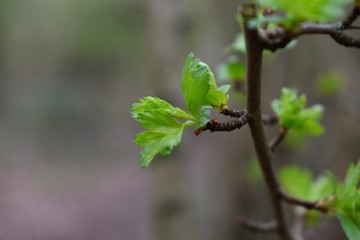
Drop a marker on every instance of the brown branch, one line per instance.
(257, 226)
(345, 40)
(277, 38)
(278, 139)
(306, 204)
(216, 126)
(232, 112)
(351, 17)
(254, 50)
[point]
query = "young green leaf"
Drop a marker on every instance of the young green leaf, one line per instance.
(196, 79)
(296, 181)
(293, 115)
(199, 87)
(304, 10)
(163, 130)
(350, 225)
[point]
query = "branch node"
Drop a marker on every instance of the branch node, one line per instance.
(278, 139)
(306, 204)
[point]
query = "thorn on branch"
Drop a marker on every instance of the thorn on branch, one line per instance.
(257, 226)
(278, 139)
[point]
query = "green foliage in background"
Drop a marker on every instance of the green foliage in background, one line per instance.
(341, 198)
(299, 11)
(290, 109)
(329, 83)
(233, 70)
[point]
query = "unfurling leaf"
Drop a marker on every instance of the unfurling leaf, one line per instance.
(306, 10)
(161, 120)
(292, 113)
(163, 130)
(199, 87)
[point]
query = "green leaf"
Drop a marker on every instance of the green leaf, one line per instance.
(322, 187)
(196, 80)
(305, 10)
(199, 87)
(329, 83)
(154, 103)
(163, 130)
(224, 88)
(154, 143)
(350, 226)
(204, 118)
(352, 177)
(292, 113)
(232, 70)
(296, 181)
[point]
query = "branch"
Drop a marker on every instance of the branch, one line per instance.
(277, 38)
(232, 112)
(346, 40)
(349, 19)
(257, 226)
(254, 49)
(278, 139)
(306, 204)
(216, 126)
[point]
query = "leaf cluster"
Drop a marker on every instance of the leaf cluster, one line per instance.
(295, 12)
(293, 114)
(341, 198)
(165, 124)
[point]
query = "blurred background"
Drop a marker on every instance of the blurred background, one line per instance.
(69, 72)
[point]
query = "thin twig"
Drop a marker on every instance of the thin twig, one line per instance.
(216, 126)
(345, 40)
(351, 17)
(277, 38)
(306, 204)
(257, 226)
(232, 112)
(278, 139)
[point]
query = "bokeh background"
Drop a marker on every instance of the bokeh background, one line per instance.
(69, 72)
